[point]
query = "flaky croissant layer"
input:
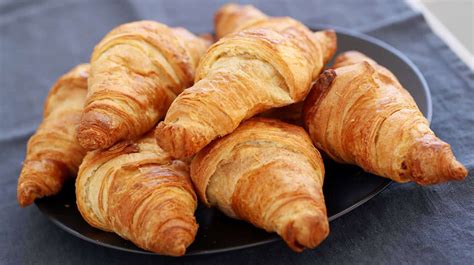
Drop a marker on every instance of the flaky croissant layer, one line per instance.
(271, 62)
(358, 113)
(53, 153)
(268, 173)
(233, 17)
(136, 72)
(137, 191)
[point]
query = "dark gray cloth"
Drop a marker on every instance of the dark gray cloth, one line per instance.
(40, 40)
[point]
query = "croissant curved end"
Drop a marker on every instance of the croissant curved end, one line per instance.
(451, 170)
(27, 193)
(432, 161)
(40, 178)
(320, 87)
(454, 171)
(231, 17)
(457, 170)
(94, 131)
(177, 238)
(306, 232)
(173, 139)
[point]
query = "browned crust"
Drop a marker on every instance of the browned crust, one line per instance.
(271, 63)
(53, 154)
(360, 114)
(233, 17)
(137, 70)
(276, 179)
(320, 88)
(138, 191)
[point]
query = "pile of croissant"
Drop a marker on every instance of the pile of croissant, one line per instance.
(161, 117)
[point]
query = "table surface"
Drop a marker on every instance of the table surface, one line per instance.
(406, 223)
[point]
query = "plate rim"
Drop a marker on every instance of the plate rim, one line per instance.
(366, 198)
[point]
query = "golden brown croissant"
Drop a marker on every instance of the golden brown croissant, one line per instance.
(233, 17)
(137, 191)
(360, 114)
(53, 153)
(270, 64)
(268, 173)
(136, 72)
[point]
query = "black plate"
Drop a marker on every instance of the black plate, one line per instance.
(345, 188)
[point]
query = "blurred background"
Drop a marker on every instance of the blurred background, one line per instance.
(454, 21)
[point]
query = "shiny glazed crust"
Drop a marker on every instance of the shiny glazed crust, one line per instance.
(268, 173)
(136, 72)
(53, 153)
(233, 17)
(137, 191)
(269, 64)
(358, 113)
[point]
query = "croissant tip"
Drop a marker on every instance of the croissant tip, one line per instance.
(173, 139)
(24, 200)
(94, 133)
(178, 250)
(39, 178)
(178, 238)
(459, 172)
(27, 193)
(307, 232)
(454, 171)
(162, 137)
(91, 139)
(433, 162)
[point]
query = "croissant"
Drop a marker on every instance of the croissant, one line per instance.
(269, 64)
(53, 154)
(233, 17)
(137, 191)
(358, 113)
(268, 173)
(136, 72)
